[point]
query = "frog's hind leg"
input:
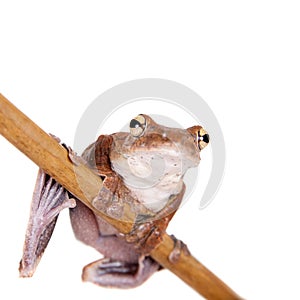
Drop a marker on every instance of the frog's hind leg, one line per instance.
(124, 268)
(49, 199)
(113, 273)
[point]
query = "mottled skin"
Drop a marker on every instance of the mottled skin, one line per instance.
(143, 169)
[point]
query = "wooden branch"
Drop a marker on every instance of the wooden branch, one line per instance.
(84, 184)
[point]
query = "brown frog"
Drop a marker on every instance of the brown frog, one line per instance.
(143, 169)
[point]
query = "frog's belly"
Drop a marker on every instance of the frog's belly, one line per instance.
(156, 197)
(151, 178)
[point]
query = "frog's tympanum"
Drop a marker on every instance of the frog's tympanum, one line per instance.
(143, 170)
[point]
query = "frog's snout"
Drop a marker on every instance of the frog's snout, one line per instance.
(200, 135)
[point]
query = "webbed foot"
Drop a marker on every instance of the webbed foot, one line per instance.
(49, 199)
(179, 248)
(148, 235)
(113, 273)
(75, 158)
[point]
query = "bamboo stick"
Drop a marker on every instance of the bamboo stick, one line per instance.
(43, 150)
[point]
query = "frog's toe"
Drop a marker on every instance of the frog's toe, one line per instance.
(49, 199)
(147, 236)
(112, 273)
(179, 248)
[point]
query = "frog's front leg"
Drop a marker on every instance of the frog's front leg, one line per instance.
(49, 198)
(108, 200)
(147, 232)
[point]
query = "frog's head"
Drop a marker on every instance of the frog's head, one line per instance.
(153, 153)
(187, 143)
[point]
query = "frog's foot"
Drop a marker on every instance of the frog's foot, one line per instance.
(107, 201)
(75, 158)
(179, 247)
(112, 273)
(49, 199)
(147, 236)
(56, 138)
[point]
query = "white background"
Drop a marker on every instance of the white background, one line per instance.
(242, 57)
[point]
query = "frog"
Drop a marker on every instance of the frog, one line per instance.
(143, 169)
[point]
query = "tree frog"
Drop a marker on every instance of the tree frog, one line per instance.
(143, 168)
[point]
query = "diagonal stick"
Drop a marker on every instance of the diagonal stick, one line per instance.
(43, 150)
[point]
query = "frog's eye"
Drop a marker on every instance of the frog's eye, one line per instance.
(203, 138)
(137, 126)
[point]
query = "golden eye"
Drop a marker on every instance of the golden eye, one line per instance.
(137, 126)
(203, 138)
